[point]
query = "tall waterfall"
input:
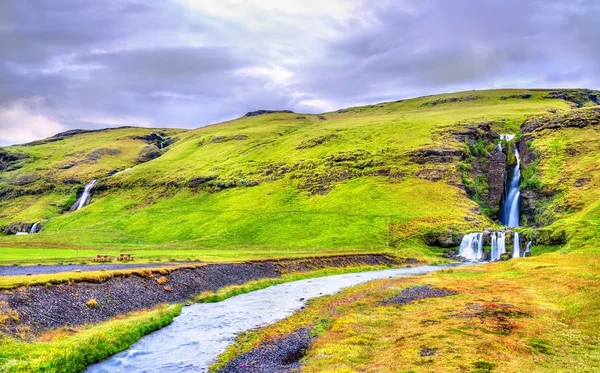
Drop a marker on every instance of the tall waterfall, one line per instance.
(85, 197)
(512, 202)
(471, 247)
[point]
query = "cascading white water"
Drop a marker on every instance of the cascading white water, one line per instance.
(34, 228)
(501, 244)
(516, 246)
(528, 248)
(471, 247)
(510, 210)
(86, 194)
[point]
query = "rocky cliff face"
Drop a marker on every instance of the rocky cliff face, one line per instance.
(534, 197)
(483, 166)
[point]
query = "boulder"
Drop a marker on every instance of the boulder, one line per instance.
(148, 153)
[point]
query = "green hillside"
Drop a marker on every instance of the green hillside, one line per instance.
(358, 178)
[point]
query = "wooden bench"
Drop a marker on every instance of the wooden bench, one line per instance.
(125, 257)
(102, 258)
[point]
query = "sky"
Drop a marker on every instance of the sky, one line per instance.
(187, 63)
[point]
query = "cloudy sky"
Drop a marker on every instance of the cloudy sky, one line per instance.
(187, 63)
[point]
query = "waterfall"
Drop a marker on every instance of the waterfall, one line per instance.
(510, 210)
(471, 247)
(34, 228)
(495, 253)
(501, 243)
(85, 197)
(528, 248)
(516, 246)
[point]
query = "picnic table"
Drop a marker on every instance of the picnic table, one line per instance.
(102, 258)
(125, 257)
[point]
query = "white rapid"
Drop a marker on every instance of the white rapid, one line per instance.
(34, 228)
(203, 331)
(471, 247)
(512, 202)
(85, 197)
(516, 246)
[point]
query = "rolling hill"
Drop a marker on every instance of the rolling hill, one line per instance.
(389, 176)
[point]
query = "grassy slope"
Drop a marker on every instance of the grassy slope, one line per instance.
(45, 163)
(569, 156)
(538, 314)
(552, 324)
(143, 208)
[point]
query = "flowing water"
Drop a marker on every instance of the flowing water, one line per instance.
(510, 210)
(203, 331)
(34, 228)
(84, 199)
(516, 246)
(471, 245)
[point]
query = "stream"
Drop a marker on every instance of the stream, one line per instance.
(204, 330)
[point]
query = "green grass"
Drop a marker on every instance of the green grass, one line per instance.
(63, 351)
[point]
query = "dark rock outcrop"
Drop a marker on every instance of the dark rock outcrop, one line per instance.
(262, 112)
(440, 101)
(423, 156)
(579, 97)
(148, 153)
(492, 169)
(445, 238)
(99, 153)
(63, 135)
(16, 227)
(574, 119)
(10, 161)
(197, 181)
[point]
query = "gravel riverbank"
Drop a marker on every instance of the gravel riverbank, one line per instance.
(70, 304)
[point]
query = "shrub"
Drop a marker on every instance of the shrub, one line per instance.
(162, 280)
(92, 303)
(530, 179)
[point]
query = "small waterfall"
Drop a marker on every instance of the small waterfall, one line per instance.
(34, 228)
(516, 246)
(494, 255)
(528, 248)
(471, 247)
(86, 196)
(501, 243)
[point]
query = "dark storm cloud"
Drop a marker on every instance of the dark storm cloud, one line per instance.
(182, 63)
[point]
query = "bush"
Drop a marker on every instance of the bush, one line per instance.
(479, 149)
(530, 179)
(92, 303)
(162, 280)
